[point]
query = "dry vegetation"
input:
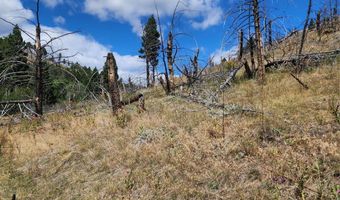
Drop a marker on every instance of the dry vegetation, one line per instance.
(176, 150)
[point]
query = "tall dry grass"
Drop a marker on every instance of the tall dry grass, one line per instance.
(175, 149)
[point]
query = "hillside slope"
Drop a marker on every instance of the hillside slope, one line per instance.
(176, 149)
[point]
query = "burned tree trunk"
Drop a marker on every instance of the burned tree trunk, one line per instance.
(252, 59)
(116, 102)
(270, 39)
(240, 55)
(113, 83)
(194, 63)
(304, 33)
(169, 56)
(38, 68)
(318, 24)
(240, 47)
(258, 38)
(248, 71)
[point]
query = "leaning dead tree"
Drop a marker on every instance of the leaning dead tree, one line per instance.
(115, 97)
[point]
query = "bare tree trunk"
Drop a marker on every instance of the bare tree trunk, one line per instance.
(169, 56)
(113, 83)
(248, 71)
(304, 33)
(258, 38)
(167, 87)
(270, 39)
(318, 24)
(252, 59)
(240, 46)
(38, 67)
(195, 64)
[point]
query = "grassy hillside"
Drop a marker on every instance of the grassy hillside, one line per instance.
(176, 149)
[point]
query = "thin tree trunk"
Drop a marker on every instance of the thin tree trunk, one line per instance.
(258, 38)
(195, 63)
(249, 73)
(270, 39)
(167, 87)
(240, 46)
(169, 56)
(304, 33)
(147, 72)
(113, 83)
(38, 67)
(318, 24)
(252, 59)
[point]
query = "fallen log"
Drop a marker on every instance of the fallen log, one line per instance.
(138, 97)
(133, 99)
(16, 101)
(231, 75)
(229, 108)
(311, 56)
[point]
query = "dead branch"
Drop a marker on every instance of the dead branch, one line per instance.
(299, 81)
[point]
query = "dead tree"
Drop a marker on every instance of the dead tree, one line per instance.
(240, 55)
(168, 66)
(270, 39)
(40, 55)
(115, 97)
(170, 46)
(258, 38)
(252, 58)
(318, 24)
(240, 47)
(194, 63)
(304, 34)
(169, 49)
(113, 83)
(38, 67)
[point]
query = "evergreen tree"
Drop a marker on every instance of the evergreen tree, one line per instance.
(311, 25)
(150, 47)
(12, 49)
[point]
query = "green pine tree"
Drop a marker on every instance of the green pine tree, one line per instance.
(150, 47)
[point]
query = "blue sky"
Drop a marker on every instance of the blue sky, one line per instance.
(115, 25)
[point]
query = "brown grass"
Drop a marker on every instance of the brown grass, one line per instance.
(175, 150)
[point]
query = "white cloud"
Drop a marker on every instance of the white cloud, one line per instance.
(52, 3)
(14, 12)
(219, 54)
(89, 51)
(59, 20)
(201, 13)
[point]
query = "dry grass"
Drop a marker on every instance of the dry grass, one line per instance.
(176, 149)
